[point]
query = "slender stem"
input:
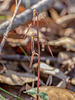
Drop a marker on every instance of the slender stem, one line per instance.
(24, 51)
(11, 94)
(50, 50)
(2, 97)
(27, 31)
(38, 56)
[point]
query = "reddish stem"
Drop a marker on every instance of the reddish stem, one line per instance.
(38, 56)
(27, 31)
(50, 50)
(34, 14)
(31, 60)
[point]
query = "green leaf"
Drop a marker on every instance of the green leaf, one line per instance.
(31, 91)
(43, 95)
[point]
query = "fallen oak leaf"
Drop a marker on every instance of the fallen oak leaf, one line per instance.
(55, 93)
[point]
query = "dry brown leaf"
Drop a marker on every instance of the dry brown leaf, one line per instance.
(18, 41)
(56, 93)
(16, 78)
(66, 19)
(70, 62)
(54, 14)
(25, 43)
(73, 81)
(66, 42)
(62, 56)
(67, 32)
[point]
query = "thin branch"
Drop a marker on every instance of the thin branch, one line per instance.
(21, 58)
(27, 15)
(9, 27)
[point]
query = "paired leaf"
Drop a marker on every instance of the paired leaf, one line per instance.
(54, 93)
(43, 95)
(31, 91)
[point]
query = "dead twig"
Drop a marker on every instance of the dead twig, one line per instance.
(9, 27)
(27, 15)
(21, 58)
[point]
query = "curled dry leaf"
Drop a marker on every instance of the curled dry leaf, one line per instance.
(54, 14)
(17, 42)
(66, 42)
(73, 81)
(62, 56)
(66, 19)
(70, 62)
(51, 71)
(68, 32)
(25, 43)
